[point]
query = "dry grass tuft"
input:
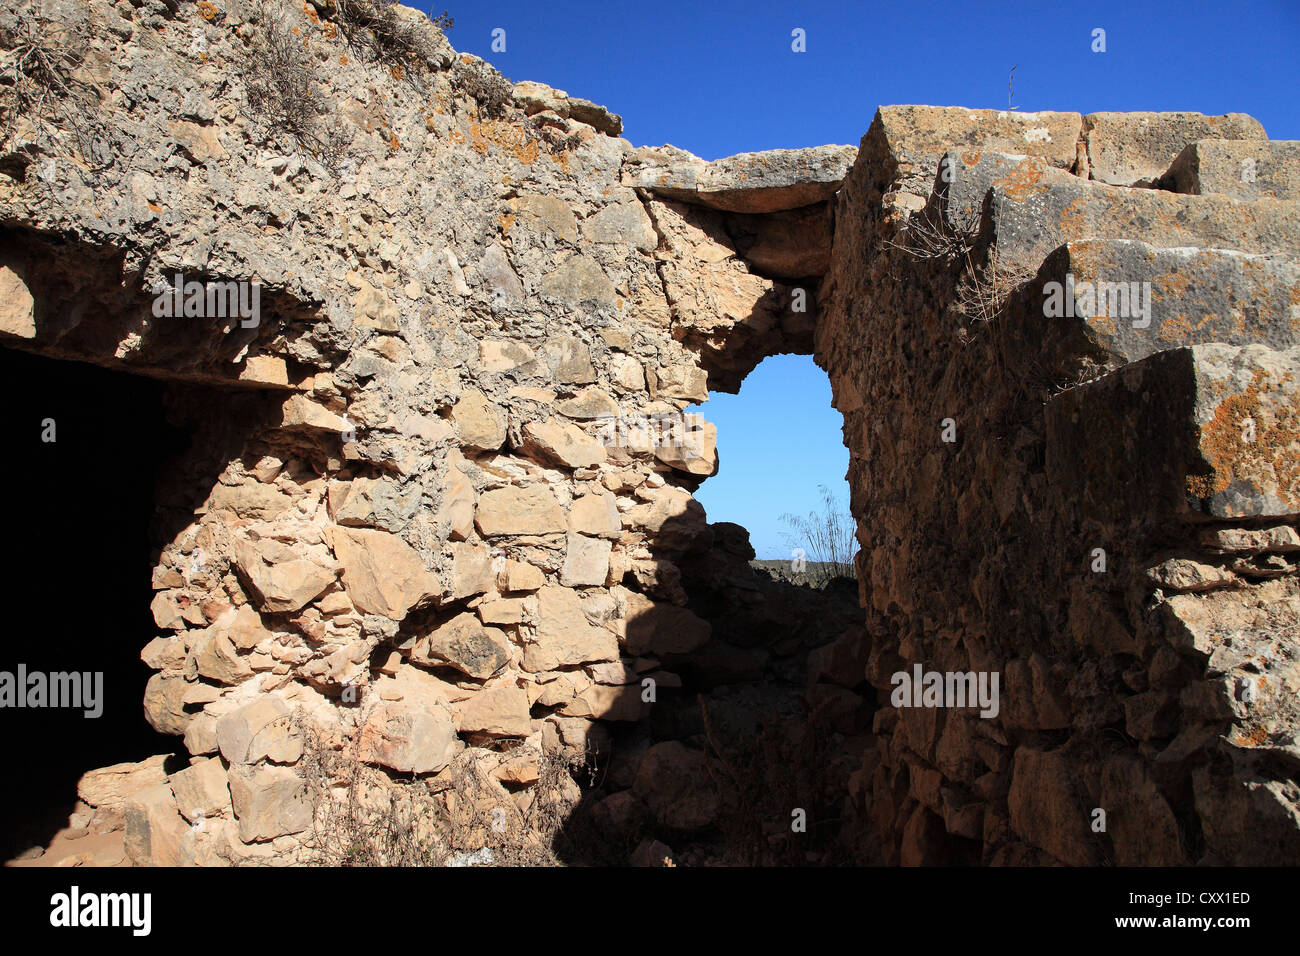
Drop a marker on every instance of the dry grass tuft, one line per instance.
(484, 85)
(39, 58)
(280, 77)
(376, 29)
(829, 539)
(280, 83)
(763, 779)
(462, 816)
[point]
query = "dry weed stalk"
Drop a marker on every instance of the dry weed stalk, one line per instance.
(982, 288)
(829, 536)
(280, 75)
(364, 816)
(280, 84)
(39, 57)
(926, 237)
(377, 30)
(983, 292)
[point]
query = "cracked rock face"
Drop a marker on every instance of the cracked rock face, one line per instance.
(442, 521)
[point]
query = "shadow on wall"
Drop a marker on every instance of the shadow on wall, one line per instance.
(82, 301)
(730, 736)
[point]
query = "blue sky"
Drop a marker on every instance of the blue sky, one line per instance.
(778, 440)
(719, 77)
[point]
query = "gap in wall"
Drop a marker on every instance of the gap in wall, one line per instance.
(779, 441)
(77, 590)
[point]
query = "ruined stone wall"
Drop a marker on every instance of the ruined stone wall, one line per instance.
(444, 524)
(1097, 505)
(440, 524)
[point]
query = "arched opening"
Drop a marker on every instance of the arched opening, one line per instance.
(780, 447)
(749, 754)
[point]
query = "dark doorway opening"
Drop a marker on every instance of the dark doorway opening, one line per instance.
(77, 575)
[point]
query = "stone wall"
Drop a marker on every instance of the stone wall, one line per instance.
(444, 523)
(1097, 505)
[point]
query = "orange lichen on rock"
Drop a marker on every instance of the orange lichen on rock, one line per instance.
(1074, 219)
(480, 143)
(1086, 262)
(1102, 323)
(1023, 181)
(1176, 330)
(1254, 737)
(526, 152)
(505, 136)
(1222, 441)
(1245, 443)
(1173, 284)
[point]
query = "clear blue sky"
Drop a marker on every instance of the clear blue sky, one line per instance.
(719, 77)
(778, 439)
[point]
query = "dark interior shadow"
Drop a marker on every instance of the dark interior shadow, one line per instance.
(89, 511)
(764, 718)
